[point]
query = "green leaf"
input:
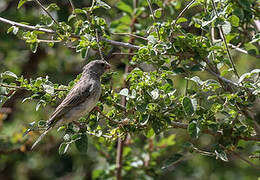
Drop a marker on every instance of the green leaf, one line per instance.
(48, 88)
(84, 52)
(158, 13)
(124, 92)
(141, 108)
(251, 49)
(66, 137)
(155, 94)
(71, 17)
(226, 27)
(15, 30)
(80, 11)
(53, 6)
(188, 106)
(222, 155)
(21, 3)
(193, 129)
(82, 143)
(181, 20)
(197, 80)
(245, 4)
(10, 29)
(124, 7)
(63, 148)
(34, 47)
(8, 75)
(234, 20)
(150, 133)
(42, 123)
(102, 4)
(144, 118)
(171, 160)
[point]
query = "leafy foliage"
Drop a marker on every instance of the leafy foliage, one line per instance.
(183, 70)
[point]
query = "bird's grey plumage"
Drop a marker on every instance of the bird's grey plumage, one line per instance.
(81, 99)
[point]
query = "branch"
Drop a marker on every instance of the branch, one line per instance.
(151, 9)
(49, 31)
(99, 48)
(119, 155)
(225, 41)
(5, 110)
(132, 35)
(222, 78)
(122, 44)
(240, 157)
(28, 27)
(216, 134)
(19, 87)
(183, 11)
(45, 10)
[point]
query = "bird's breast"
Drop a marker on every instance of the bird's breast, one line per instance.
(85, 107)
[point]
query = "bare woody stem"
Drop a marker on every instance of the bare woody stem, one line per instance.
(49, 31)
(19, 87)
(47, 12)
(28, 27)
(225, 41)
(152, 13)
(183, 11)
(99, 48)
(180, 125)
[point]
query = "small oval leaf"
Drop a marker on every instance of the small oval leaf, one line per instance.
(188, 106)
(82, 143)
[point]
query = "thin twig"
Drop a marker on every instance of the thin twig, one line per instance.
(73, 9)
(133, 35)
(72, 5)
(202, 152)
(119, 157)
(225, 41)
(128, 54)
(11, 86)
(49, 31)
(5, 110)
(216, 134)
(28, 27)
(47, 41)
(151, 9)
(99, 48)
(121, 142)
(111, 120)
(222, 78)
(240, 157)
(238, 49)
(122, 44)
(19, 87)
(47, 12)
(183, 11)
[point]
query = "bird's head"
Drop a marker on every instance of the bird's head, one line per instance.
(97, 67)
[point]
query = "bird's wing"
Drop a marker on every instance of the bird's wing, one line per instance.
(77, 95)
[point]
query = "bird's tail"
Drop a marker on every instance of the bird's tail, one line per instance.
(41, 136)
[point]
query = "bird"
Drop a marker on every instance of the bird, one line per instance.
(81, 99)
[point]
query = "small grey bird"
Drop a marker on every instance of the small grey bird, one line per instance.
(81, 99)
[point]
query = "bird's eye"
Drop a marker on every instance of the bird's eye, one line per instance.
(102, 64)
